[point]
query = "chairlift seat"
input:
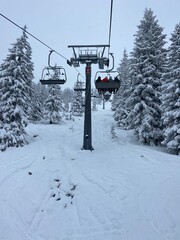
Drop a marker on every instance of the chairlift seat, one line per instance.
(79, 89)
(107, 86)
(107, 96)
(52, 81)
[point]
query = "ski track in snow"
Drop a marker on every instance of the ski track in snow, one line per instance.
(155, 213)
(57, 191)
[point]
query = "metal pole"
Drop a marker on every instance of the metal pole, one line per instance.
(87, 144)
(103, 103)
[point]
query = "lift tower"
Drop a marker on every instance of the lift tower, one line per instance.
(88, 54)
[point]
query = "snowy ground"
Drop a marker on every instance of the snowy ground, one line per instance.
(52, 190)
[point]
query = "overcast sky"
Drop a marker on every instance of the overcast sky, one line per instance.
(60, 23)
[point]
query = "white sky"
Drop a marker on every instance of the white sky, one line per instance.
(61, 23)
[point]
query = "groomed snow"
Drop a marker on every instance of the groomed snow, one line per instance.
(52, 190)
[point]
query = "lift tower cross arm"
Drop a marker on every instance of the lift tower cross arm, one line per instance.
(89, 53)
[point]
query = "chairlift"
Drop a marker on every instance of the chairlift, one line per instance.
(53, 74)
(105, 82)
(79, 85)
(107, 95)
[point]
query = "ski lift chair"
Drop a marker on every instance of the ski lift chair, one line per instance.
(107, 96)
(53, 75)
(79, 85)
(106, 83)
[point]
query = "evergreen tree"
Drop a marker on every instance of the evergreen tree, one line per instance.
(77, 108)
(67, 98)
(96, 99)
(0, 94)
(36, 110)
(42, 92)
(27, 67)
(94, 105)
(67, 95)
(148, 58)
(171, 95)
(13, 99)
(119, 100)
(66, 107)
(53, 104)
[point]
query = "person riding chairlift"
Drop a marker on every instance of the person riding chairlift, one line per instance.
(98, 79)
(104, 79)
(110, 79)
(116, 79)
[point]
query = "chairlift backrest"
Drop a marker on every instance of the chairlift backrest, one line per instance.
(53, 75)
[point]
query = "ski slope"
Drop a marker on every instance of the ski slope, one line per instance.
(52, 190)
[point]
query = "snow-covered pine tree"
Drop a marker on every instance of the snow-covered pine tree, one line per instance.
(36, 110)
(171, 95)
(77, 108)
(13, 98)
(119, 100)
(27, 68)
(42, 92)
(0, 94)
(96, 99)
(94, 105)
(53, 104)
(66, 107)
(67, 95)
(148, 58)
(123, 71)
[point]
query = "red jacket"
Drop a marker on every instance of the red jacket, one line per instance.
(105, 79)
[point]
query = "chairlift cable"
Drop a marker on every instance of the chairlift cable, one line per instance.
(43, 43)
(110, 25)
(32, 36)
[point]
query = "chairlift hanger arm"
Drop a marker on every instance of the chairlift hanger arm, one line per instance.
(75, 55)
(49, 62)
(78, 77)
(103, 52)
(49, 58)
(109, 70)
